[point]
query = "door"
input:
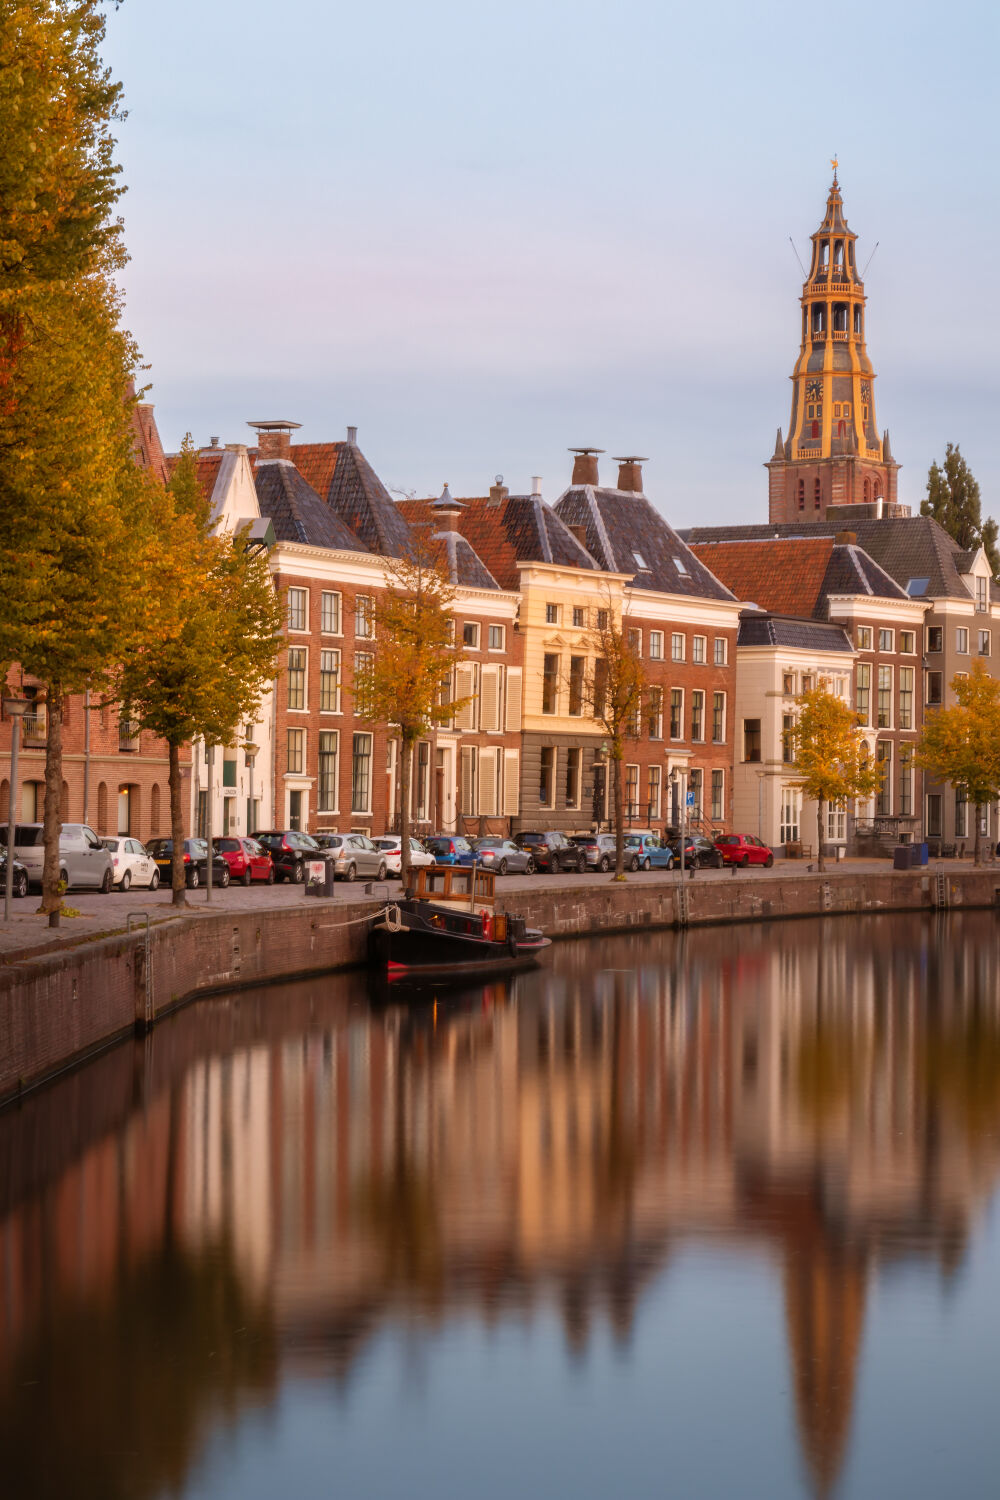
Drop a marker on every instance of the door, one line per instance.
(295, 811)
(124, 809)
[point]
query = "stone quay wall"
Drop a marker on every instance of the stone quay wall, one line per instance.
(58, 1008)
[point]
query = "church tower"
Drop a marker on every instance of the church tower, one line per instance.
(833, 455)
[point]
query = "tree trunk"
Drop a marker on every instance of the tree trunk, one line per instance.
(619, 790)
(820, 805)
(405, 755)
(52, 816)
(177, 881)
(977, 857)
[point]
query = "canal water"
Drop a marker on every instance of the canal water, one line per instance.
(692, 1215)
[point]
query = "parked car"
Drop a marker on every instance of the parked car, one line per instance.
(504, 856)
(698, 851)
(19, 882)
(195, 862)
(131, 863)
(83, 859)
(391, 845)
(644, 851)
(552, 851)
(247, 860)
(744, 849)
(289, 850)
(450, 849)
(598, 847)
(353, 854)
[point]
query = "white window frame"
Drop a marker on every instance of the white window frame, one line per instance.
(887, 641)
(656, 645)
(721, 651)
(962, 640)
(325, 610)
(364, 616)
(335, 734)
(699, 650)
(324, 671)
(301, 740)
(356, 735)
(864, 637)
(553, 613)
(471, 627)
(911, 636)
(677, 646)
(501, 631)
(297, 601)
(303, 707)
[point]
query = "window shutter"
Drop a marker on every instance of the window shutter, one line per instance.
(489, 703)
(511, 785)
(468, 783)
(465, 687)
(514, 700)
(488, 783)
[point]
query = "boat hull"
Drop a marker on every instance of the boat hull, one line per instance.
(421, 953)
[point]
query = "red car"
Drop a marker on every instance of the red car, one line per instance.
(744, 849)
(246, 859)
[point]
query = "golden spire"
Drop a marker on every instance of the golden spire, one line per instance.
(834, 164)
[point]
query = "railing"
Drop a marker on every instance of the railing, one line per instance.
(33, 729)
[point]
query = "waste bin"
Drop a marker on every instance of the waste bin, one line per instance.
(901, 857)
(320, 877)
(921, 853)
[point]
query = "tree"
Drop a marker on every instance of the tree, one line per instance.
(415, 653)
(218, 624)
(961, 744)
(614, 694)
(953, 500)
(828, 757)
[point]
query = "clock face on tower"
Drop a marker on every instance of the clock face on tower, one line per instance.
(866, 391)
(814, 390)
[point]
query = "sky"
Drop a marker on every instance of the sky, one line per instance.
(485, 234)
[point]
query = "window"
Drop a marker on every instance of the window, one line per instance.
(883, 762)
(982, 595)
(631, 791)
(886, 640)
(329, 682)
(579, 616)
(681, 566)
(676, 712)
(934, 815)
(635, 642)
(296, 752)
(676, 647)
(751, 739)
(602, 619)
(935, 638)
(573, 778)
(962, 641)
(718, 786)
(577, 664)
(863, 692)
(817, 493)
(640, 562)
(791, 807)
(934, 689)
(836, 822)
(698, 644)
(697, 715)
(885, 697)
(961, 813)
(788, 738)
(695, 781)
(905, 781)
(364, 663)
(297, 677)
(470, 635)
(906, 697)
(654, 713)
(361, 773)
(807, 682)
(802, 483)
(788, 684)
(550, 683)
(721, 651)
(653, 786)
(718, 718)
(329, 613)
(546, 776)
(552, 614)
(423, 779)
(497, 634)
(984, 643)
(364, 616)
(656, 645)
(326, 792)
(907, 642)
(298, 609)
(600, 687)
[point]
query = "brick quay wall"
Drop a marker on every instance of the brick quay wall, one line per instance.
(58, 1008)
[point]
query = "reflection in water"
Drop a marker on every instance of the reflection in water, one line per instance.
(267, 1180)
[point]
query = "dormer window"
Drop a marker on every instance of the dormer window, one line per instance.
(982, 595)
(641, 562)
(681, 567)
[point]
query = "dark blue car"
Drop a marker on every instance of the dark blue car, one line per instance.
(450, 849)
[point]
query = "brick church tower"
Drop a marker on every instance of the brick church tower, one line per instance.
(833, 455)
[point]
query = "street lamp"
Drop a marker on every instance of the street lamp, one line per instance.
(251, 751)
(14, 709)
(675, 781)
(209, 767)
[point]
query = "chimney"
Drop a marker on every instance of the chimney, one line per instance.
(213, 442)
(846, 539)
(352, 437)
(585, 465)
(580, 532)
(630, 474)
(447, 506)
(274, 439)
(498, 491)
(536, 484)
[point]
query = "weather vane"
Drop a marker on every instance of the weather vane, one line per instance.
(834, 164)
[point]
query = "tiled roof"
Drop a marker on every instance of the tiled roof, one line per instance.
(904, 546)
(457, 557)
(796, 575)
(317, 463)
(363, 503)
(296, 511)
(146, 440)
(760, 629)
(626, 534)
(519, 528)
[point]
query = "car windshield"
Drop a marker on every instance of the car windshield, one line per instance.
(488, 843)
(531, 838)
(111, 844)
(160, 846)
(268, 839)
(389, 844)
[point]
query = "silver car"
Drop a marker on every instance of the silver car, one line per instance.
(504, 856)
(353, 854)
(83, 860)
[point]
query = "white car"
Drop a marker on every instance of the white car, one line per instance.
(131, 864)
(391, 846)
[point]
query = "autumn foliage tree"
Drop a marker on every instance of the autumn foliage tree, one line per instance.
(218, 630)
(615, 690)
(828, 757)
(415, 652)
(961, 744)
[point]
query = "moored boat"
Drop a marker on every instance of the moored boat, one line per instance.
(450, 928)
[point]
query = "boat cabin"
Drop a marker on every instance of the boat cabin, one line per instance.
(460, 885)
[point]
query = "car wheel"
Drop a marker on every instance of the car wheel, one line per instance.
(154, 884)
(107, 882)
(298, 872)
(194, 880)
(350, 873)
(126, 880)
(670, 862)
(270, 876)
(744, 861)
(502, 867)
(647, 863)
(529, 868)
(769, 861)
(225, 878)
(63, 879)
(635, 863)
(247, 877)
(20, 886)
(381, 871)
(605, 864)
